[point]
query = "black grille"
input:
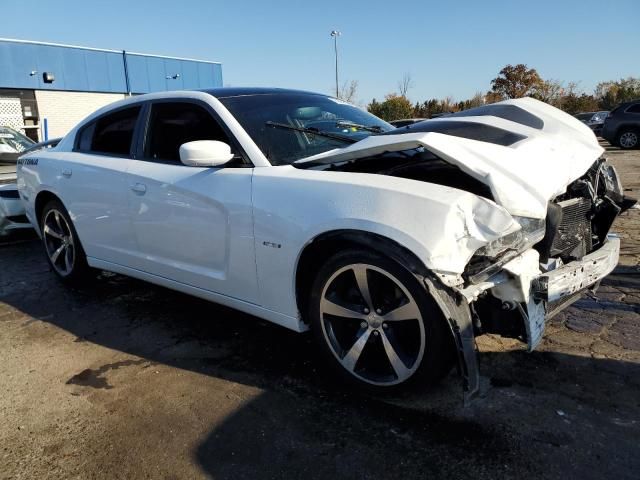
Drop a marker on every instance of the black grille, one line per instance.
(573, 237)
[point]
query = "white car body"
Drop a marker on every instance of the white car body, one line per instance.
(236, 235)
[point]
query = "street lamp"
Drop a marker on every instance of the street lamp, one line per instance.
(335, 34)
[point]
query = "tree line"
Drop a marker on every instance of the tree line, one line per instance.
(513, 81)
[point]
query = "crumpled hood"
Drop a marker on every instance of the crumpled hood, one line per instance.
(555, 150)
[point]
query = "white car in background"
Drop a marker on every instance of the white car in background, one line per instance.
(12, 145)
(394, 246)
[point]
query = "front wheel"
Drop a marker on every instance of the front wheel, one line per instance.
(376, 324)
(62, 245)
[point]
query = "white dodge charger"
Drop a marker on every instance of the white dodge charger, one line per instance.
(394, 246)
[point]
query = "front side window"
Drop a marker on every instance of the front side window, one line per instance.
(110, 134)
(173, 124)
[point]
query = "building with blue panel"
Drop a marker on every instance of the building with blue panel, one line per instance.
(45, 88)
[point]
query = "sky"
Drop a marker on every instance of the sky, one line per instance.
(449, 48)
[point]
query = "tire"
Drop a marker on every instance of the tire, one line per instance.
(62, 246)
(365, 342)
(628, 139)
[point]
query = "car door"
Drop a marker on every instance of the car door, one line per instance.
(192, 225)
(92, 183)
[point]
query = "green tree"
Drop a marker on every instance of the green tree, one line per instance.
(394, 107)
(573, 103)
(516, 81)
(612, 93)
(493, 97)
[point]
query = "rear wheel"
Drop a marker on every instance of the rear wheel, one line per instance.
(628, 139)
(62, 245)
(376, 325)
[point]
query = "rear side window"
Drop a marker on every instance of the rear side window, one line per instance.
(634, 108)
(110, 134)
(175, 123)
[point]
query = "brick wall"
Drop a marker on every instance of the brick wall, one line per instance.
(63, 110)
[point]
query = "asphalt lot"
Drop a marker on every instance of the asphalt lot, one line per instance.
(122, 379)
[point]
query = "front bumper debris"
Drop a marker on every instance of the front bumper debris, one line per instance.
(533, 296)
(579, 274)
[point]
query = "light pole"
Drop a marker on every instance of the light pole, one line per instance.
(335, 34)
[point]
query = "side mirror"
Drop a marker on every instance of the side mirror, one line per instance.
(205, 153)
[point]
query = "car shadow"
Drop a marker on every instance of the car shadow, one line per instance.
(304, 424)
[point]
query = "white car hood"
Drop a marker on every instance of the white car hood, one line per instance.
(523, 177)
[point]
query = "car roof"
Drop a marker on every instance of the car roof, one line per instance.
(225, 92)
(632, 102)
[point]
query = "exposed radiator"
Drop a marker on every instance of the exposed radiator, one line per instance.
(573, 238)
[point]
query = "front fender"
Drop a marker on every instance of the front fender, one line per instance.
(441, 226)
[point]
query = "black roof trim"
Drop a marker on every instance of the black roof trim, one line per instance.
(225, 92)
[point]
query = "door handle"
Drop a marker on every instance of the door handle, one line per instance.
(67, 172)
(139, 188)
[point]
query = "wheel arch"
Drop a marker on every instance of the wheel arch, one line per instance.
(456, 313)
(328, 243)
(42, 198)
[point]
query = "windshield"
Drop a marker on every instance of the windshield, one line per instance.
(12, 141)
(288, 127)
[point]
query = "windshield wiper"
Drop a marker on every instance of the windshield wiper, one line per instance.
(370, 128)
(311, 131)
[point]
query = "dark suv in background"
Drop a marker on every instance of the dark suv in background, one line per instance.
(622, 126)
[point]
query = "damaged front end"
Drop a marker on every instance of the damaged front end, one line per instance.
(541, 166)
(513, 294)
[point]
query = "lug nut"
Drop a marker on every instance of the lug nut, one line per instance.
(376, 333)
(384, 325)
(378, 311)
(366, 310)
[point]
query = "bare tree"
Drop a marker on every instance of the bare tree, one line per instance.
(550, 91)
(447, 104)
(405, 84)
(348, 91)
(476, 101)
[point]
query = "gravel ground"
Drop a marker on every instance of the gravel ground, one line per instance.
(122, 379)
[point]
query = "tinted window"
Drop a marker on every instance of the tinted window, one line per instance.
(584, 116)
(86, 137)
(634, 108)
(110, 134)
(172, 124)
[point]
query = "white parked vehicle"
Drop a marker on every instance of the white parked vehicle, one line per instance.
(394, 246)
(12, 145)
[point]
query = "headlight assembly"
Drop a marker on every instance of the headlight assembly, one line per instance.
(531, 232)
